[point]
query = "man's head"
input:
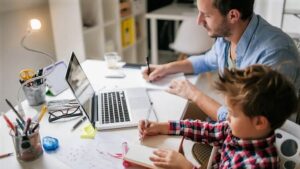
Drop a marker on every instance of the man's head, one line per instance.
(262, 96)
(218, 16)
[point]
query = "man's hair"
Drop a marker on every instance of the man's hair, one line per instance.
(245, 7)
(259, 91)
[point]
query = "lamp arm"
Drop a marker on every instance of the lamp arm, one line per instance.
(20, 108)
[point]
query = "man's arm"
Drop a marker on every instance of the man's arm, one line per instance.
(207, 104)
(160, 71)
(189, 91)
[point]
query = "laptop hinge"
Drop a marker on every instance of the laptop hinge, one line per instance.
(95, 109)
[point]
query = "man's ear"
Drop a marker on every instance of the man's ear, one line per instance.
(233, 16)
(260, 122)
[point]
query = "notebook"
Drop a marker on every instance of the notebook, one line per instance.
(139, 153)
(109, 109)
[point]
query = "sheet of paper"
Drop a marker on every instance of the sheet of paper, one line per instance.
(92, 154)
(164, 83)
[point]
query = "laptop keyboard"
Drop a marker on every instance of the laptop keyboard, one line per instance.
(114, 107)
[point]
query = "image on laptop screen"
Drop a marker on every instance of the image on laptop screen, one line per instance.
(80, 86)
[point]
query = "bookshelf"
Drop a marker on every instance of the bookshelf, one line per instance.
(103, 26)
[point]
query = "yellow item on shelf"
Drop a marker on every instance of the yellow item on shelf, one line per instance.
(88, 132)
(128, 32)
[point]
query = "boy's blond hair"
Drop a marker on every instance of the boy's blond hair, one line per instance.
(259, 90)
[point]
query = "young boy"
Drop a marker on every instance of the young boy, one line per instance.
(259, 101)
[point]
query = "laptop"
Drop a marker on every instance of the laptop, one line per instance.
(109, 109)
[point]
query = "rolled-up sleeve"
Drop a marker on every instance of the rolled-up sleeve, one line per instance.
(206, 62)
(222, 113)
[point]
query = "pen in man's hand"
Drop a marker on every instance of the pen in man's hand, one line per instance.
(6, 155)
(148, 62)
(78, 123)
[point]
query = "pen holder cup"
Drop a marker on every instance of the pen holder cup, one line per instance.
(35, 92)
(28, 148)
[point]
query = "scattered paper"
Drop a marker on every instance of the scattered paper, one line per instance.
(164, 83)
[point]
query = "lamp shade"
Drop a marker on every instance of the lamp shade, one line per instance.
(191, 38)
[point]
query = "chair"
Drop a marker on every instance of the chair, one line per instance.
(191, 39)
(288, 145)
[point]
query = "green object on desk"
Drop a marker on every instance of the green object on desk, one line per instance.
(49, 93)
(88, 132)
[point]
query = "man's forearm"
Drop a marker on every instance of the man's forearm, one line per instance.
(184, 66)
(207, 104)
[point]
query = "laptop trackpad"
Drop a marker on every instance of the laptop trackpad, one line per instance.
(138, 98)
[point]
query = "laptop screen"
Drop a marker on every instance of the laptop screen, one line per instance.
(80, 85)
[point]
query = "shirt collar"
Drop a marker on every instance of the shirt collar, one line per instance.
(247, 36)
(254, 144)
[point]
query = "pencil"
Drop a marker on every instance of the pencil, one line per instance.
(6, 155)
(16, 112)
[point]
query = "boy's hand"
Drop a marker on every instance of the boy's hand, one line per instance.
(156, 72)
(170, 159)
(150, 128)
(183, 88)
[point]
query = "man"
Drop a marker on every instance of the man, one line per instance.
(242, 39)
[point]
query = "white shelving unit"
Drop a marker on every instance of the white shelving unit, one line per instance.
(102, 27)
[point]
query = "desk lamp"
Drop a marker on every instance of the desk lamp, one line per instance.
(34, 25)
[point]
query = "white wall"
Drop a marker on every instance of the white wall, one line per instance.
(15, 58)
(1, 66)
(272, 10)
(291, 23)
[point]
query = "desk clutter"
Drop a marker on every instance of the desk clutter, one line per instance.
(61, 110)
(25, 136)
(33, 85)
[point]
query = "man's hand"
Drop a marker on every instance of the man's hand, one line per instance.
(156, 72)
(184, 89)
(170, 159)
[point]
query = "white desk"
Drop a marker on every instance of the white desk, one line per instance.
(173, 12)
(62, 130)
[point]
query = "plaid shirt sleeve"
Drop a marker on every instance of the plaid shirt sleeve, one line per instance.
(205, 132)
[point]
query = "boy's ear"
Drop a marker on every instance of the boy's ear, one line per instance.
(260, 122)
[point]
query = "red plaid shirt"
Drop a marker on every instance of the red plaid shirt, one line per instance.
(233, 152)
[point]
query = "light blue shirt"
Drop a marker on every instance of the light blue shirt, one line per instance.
(261, 43)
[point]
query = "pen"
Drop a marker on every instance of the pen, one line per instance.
(6, 155)
(78, 123)
(148, 62)
(27, 126)
(12, 107)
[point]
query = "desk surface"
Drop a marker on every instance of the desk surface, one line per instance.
(109, 140)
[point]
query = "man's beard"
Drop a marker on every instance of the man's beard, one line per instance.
(222, 30)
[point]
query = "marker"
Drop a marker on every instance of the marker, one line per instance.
(20, 124)
(78, 123)
(27, 126)
(8, 122)
(16, 112)
(6, 155)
